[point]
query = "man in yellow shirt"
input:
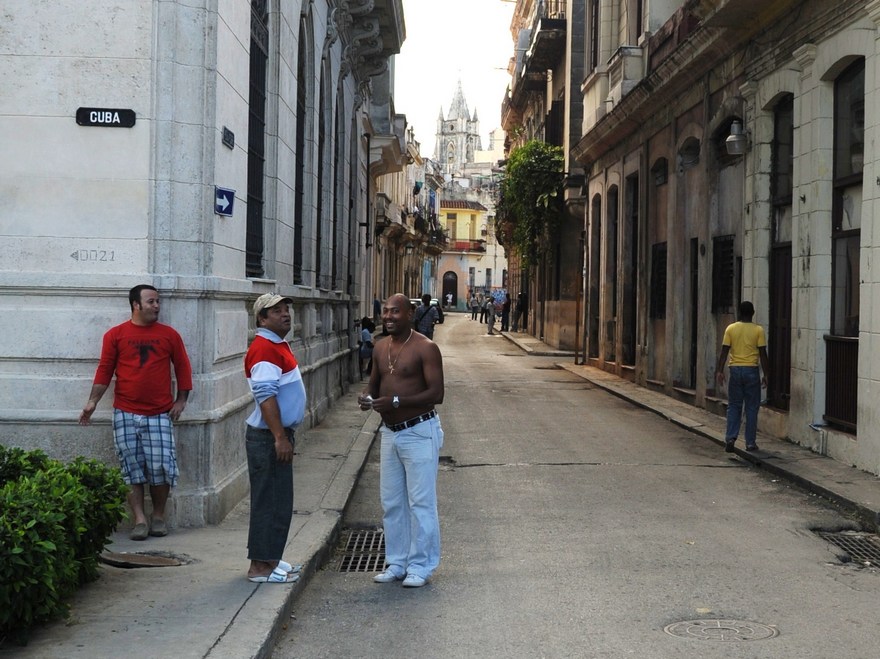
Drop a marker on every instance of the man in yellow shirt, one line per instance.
(745, 345)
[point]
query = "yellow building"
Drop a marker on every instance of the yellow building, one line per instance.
(473, 259)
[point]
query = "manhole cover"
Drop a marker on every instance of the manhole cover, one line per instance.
(133, 560)
(863, 548)
(714, 629)
(362, 551)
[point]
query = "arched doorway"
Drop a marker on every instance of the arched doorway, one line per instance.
(450, 285)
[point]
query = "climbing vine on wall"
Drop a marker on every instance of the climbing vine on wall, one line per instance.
(530, 204)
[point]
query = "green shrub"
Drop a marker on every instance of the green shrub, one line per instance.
(55, 521)
(101, 509)
(16, 462)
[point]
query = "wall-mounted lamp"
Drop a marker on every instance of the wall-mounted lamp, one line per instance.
(409, 248)
(738, 140)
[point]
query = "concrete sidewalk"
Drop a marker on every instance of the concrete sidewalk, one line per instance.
(207, 608)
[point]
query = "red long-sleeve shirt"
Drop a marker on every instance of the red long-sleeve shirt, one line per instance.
(142, 356)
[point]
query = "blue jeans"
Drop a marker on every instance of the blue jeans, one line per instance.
(743, 391)
(408, 490)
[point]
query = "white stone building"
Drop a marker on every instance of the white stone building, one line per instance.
(217, 150)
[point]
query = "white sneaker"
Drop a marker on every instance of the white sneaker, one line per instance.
(414, 581)
(386, 577)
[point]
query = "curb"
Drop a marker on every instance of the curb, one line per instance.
(257, 625)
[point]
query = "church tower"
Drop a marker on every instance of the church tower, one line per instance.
(457, 137)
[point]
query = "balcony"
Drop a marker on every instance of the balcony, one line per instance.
(523, 84)
(388, 217)
(547, 47)
(511, 115)
(437, 242)
(466, 246)
(625, 70)
(545, 51)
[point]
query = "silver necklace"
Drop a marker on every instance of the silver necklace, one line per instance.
(391, 364)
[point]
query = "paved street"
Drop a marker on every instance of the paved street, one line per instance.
(578, 525)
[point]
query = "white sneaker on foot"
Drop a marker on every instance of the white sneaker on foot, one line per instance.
(386, 577)
(414, 581)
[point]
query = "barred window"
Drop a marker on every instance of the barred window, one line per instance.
(300, 158)
(256, 139)
(658, 281)
(723, 274)
(846, 206)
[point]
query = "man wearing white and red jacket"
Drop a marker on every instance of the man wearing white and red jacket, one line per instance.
(275, 381)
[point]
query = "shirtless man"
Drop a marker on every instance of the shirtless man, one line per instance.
(405, 384)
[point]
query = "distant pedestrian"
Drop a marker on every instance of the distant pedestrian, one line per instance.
(141, 352)
(425, 317)
(491, 311)
(487, 300)
(448, 300)
(405, 385)
(475, 306)
(505, 313)
(744, 344)
(365, 345)
(377, 310)
(276, 384)
(519, 312)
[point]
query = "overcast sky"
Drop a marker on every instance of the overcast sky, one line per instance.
(448, 40)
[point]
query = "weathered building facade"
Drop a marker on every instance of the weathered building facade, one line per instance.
(409, 236)
(730, 149)
(544, 103)
(215, 150)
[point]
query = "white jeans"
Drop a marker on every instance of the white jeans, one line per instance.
(408, 490)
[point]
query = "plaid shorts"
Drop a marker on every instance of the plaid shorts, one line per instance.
(145, 447)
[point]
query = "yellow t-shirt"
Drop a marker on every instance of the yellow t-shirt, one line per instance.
(744, 340)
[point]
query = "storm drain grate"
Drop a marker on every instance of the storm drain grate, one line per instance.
(362, 551)
(862, 548)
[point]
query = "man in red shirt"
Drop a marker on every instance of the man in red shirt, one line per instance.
(141, 352)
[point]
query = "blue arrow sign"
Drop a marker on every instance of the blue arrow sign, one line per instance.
(224, 200)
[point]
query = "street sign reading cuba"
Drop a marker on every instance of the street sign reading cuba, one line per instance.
(106, 117)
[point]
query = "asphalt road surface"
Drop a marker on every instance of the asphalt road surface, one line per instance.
(578, 525)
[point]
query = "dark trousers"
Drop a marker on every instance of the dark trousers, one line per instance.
(271, 496)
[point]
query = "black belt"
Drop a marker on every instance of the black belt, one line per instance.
(409, 423)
